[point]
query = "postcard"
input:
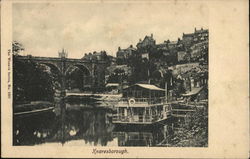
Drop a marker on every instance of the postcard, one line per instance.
(124, 79)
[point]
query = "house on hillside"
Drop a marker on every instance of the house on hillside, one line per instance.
(200, 35)
(163, 46)
(187, 39)
(125, 53)
(147, 42)
(198, 50)
(172, 44)
(196, 37)
(102, 55)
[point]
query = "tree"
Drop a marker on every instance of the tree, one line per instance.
(75, 79)
(17, 47)
(31, 81)
(195, 131)
(117, 76)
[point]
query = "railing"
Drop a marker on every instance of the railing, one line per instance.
(185, 109)
(148, 101)
(136, 136)
(132, 119)
(181, 112)
(139, 118)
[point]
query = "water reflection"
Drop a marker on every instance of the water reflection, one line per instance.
(86, 126)
(155, 135)
(35, 129)
(92, 125)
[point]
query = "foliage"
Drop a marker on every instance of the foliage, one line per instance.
(121, 61)
(142, 69)
(195, 132)
(75, 79)
(178, 87)
(117, 76)
(17, 47)
(31, 82)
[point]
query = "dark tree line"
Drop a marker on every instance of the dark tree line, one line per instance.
(140, 69)
(117, 76)
(74, 80)
(31, 81)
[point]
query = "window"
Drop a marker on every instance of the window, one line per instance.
(133, 93)
(125, 94)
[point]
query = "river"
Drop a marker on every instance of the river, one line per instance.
(85, 125)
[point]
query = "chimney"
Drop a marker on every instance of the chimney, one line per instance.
(131, 46)
(194, 29)
(119, 48)
(151, 35)
(201, 28)
(140, 40)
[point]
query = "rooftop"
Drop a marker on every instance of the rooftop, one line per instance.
(148, 86)
(129, 48)
(194, 91)
(173, 42)
(188, 35)
(147, 37)
(201, 31)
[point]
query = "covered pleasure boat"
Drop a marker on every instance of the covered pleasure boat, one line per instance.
(142, 104)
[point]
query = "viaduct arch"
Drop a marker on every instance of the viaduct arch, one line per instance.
(92, 69)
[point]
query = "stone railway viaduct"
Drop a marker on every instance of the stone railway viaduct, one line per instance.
(94, 70)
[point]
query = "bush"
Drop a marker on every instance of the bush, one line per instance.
(194, 132)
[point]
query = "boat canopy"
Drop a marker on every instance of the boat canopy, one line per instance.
(147, 86)
(143, 91)
(194, 91)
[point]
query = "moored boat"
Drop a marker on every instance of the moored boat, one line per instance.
(142, 104)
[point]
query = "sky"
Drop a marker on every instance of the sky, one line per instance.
(45, 28)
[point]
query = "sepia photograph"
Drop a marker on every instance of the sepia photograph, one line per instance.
(124, 79)
(87, 76)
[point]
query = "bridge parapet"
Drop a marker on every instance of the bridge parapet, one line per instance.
(40, 58)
